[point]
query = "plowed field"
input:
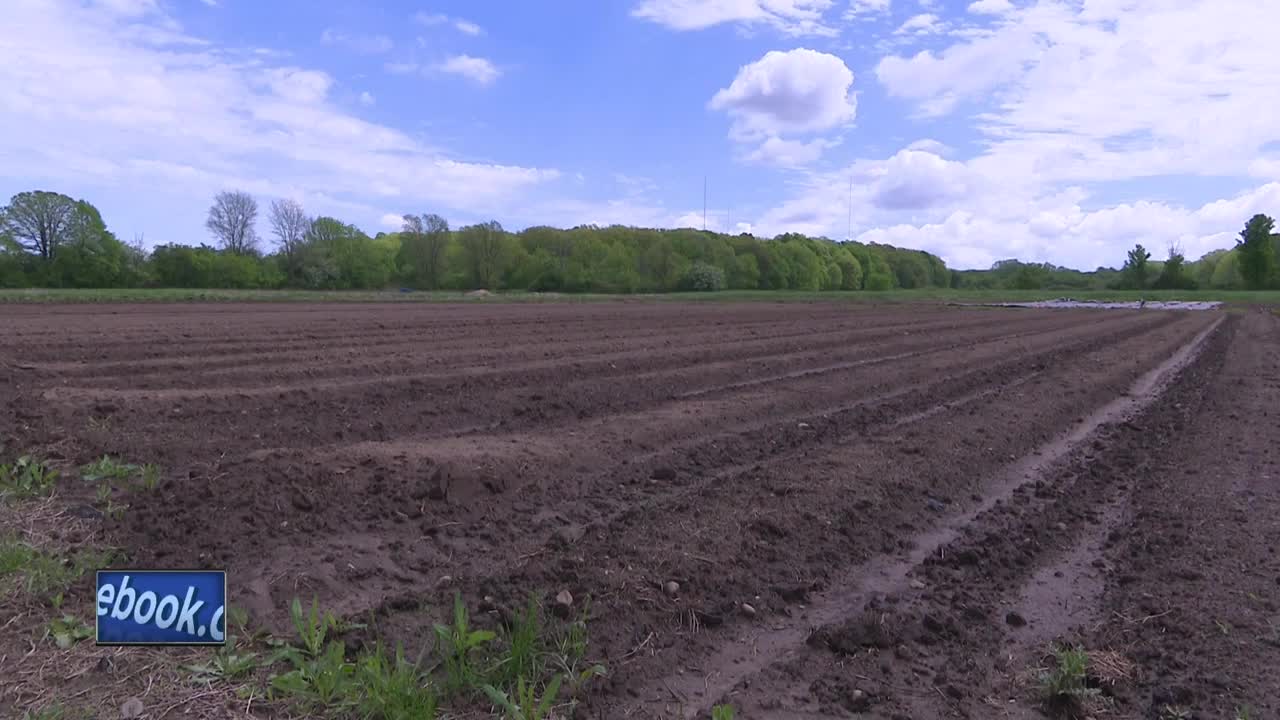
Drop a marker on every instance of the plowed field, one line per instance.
(913, 502)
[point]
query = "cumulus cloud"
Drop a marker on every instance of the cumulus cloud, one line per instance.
(915, 179)
(195, 119)
(866, 8)
(782, 93)
(467, 27)
(794, 91)
(791, 17)
(477, 69)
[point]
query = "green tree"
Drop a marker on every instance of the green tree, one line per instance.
(1174, 274)
(1257, 254)
(424, 241)
(484, 250)
(40, 221)
(1134, 273)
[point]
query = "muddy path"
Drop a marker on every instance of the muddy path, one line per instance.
(864, 510)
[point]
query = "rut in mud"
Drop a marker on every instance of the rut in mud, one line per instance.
(901, 480)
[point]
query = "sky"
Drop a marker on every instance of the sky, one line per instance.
(1060, 131)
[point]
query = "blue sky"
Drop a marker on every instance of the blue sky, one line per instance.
(1052, 130)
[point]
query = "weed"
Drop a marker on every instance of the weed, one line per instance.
(68, 630)
(1174, 712)
(1223, 627)
(150, 477)
(523, 658)
(44, 575)
(455, 644)
(312, 627)
(26, 478)
(102, 424)
(393, 688)
(323, 680)
(525, 705)
(227, 663)
(1065, 685)
(1244, 713)
(54, 712)
(722, 712)
(108, 468)
(570, 653)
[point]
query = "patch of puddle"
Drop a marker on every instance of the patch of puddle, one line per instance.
(1102, 305)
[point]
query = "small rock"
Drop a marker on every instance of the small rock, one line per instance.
(1062, 526)
(1015, 620)
(672, 588)
(917, 585)
(563, 605)
(935, 506)
(131, 708)
(748, 610)
(804, 426)
(444, 580)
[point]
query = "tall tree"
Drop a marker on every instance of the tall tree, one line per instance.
(424, 239)
(1134, 272)
(39, 221)
(1174, 275)
(1257, 254)
(231, 220)
(289, 223)
(484, 247)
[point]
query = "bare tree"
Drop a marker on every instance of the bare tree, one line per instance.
(39, 221)
(231, 220)
(289, 223)
(424, 241)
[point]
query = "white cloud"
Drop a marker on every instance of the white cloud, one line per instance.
(791, 17)
(210, 3)
(991, 7)
(923, 24)
(392, 221)
(367, 99)
(915, 180)
(462, 25)
(467, 27)
(864, 8)
(789, 153)
(477, 69)
(193, 119)
(930, 145)
(784, 92)
(366, 44)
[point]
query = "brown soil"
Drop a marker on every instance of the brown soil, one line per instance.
(915, 502)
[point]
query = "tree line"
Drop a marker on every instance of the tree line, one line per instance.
(48, 239)
(51, 240)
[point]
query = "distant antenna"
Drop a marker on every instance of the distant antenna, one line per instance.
(849, 235)
(704, 203)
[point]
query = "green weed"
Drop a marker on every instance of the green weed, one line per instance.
(393, 688)
(26, 478)
(456, 643)
(312, 627)
(722, 712)
(569, 656)
(150, 479)
(68, 630)
(108, 468)
(525, 705)
(228, 663)
(323, 680)
(523, 656)
(1066, 684)
(44, 575)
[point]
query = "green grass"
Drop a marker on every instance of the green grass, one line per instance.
(1064, 686)
(1267, 297)
(44, 575)
(522, 669)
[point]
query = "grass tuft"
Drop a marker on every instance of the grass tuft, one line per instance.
(1065, 685)
(26, 478)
